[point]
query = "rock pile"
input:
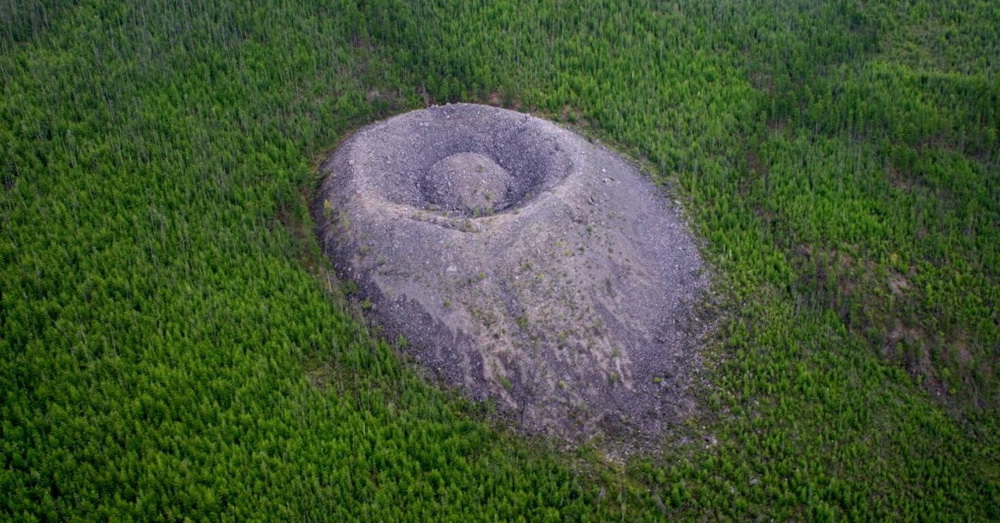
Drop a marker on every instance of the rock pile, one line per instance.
(522, 263)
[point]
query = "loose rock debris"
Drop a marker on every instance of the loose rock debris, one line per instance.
(523, 264)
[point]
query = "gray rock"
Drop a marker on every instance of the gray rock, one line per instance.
(523, 264)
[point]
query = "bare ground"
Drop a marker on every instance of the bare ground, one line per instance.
(523, 264)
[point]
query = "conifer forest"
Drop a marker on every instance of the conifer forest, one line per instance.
(174, 345)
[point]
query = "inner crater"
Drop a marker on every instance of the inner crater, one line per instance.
(468, 183)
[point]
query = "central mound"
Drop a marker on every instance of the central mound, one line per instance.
(522, 263)
(467, 183)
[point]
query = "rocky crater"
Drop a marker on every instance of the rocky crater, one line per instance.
(523, 264)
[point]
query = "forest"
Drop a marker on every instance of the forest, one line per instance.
(173, 345)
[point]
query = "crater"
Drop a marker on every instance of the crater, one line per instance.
(523, 264)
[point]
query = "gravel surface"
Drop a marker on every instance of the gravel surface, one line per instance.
(522, 263)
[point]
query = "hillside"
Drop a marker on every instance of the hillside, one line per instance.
(171, 345)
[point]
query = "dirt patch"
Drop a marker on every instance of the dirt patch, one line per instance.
(523, 264)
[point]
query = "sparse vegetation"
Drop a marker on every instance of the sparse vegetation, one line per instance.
(169, 348)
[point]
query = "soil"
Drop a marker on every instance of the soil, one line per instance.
(523, 264)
